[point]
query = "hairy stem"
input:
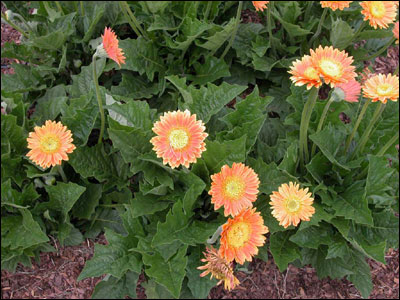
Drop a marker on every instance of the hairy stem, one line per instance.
(322, 120)
(239, 10)
(99, 100)
(317, 33)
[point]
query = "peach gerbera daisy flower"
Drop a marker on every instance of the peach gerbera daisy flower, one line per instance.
(304, 72)
(180, 138)
(260, 5)
(379, 13)
(351, 90)
(234, 188)
(219, 268)
(396, 31)
(382, 87)
(291, 204)
(110, 45)
(334, 5)
(242, 235)
(50, 144)
(333, 65)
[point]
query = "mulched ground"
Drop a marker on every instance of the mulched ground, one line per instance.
(55, 277)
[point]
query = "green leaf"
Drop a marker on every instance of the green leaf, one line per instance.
(13, 137)
(24, 79)
(362, 275)
(313, 236)
(341, 34)
(114, 288)
(87, 203)
(206, 101)
(318, 167)
(154, 290)
(289, 161)
(215, 41)
(283, 250)
(209, 71)
(147, 204)
(169, 274)
(292, 29)
(51, 104)
(374, 34)
(83, 83)
(319, 215)
(90, 21)
(135, 87)
(228, 152)
(264, 64)
(334, 267)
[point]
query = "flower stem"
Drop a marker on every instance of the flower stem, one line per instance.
(215, 236)
(383, 49)
(360, 116)
(321, 21)
(308, 10)
(59, 7)
(364, 138)
(359, 30)
(99, 100)
(132, 20)
(13, 25)
(61, 172)
(208, 9)
(82, 9)
(305, 120)
(269, 28)
(322, 120)
(239, 10)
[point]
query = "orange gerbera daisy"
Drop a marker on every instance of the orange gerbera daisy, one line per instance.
(333, 65)
(291, 204)
(110, 44)
(242, 235)
(396, 31)
(351, 90)
(180, 138)
(220, 268)
(50, 144)
(235, 188)
(382, 87)
(334, 5)
(304, 72)
(260, 5)
(379, 13)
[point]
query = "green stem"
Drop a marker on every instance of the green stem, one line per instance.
(99, 100)
(23, 21)
(321, 21)
(133, 21)
(239, 10)
(215, 236)
(364, 138)
(360, 116)
(383, 49)
(269, 28)
(308, 10)
(305, 120)
(82, 9)
(322, 120)
(61, 172)
(13, 25)
(59, 7)
(359, 30)
(208, 9)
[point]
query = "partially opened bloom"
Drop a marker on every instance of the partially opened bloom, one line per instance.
(50, 144)
(351, 90)
(110, 45)
(242, 235)
(291, 204)
(234, 188)
(334, 5)
(260, 5)
(333, 65)
(304, 72)
(382, 87)
(180, 138)
(379, 13)
(219, 268)
(396, 31)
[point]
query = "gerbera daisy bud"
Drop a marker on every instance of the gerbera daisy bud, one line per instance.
(180, 138)
(260, 5)
(382, 87)
(379, 13)
(242, 235)
(219, 268)
(50, 144)
(291, 204)
(101, 52)
(334, 5)
(234, 188)
(349, 91)
(110, 45)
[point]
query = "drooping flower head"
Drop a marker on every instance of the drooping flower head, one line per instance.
(396, 31)
(379, 13)
(334, 5)
(50, 144)
(260, 5)
(382, 87)
(180, 138)
(304, 72)
(234, 188)
(110, 45)
(351, 90)
(333, 65)
(219, 268)
(242, 235)
(291, 204)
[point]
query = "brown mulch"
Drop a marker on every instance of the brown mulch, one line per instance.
(8, 34)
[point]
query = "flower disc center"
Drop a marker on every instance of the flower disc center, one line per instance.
(378, 9)
(50, 144)
(384, 89)
(330, 68)
(178, 138)
(311, 73)
(293, 205)
(234, 187)
(239, 234)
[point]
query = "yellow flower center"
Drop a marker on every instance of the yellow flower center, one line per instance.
(311, 73)
(50, 143)
(384, 89)
(178, 138)
(378, 9)
(234, 187)
(330, 68)
(239, 234)
(293, 204)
